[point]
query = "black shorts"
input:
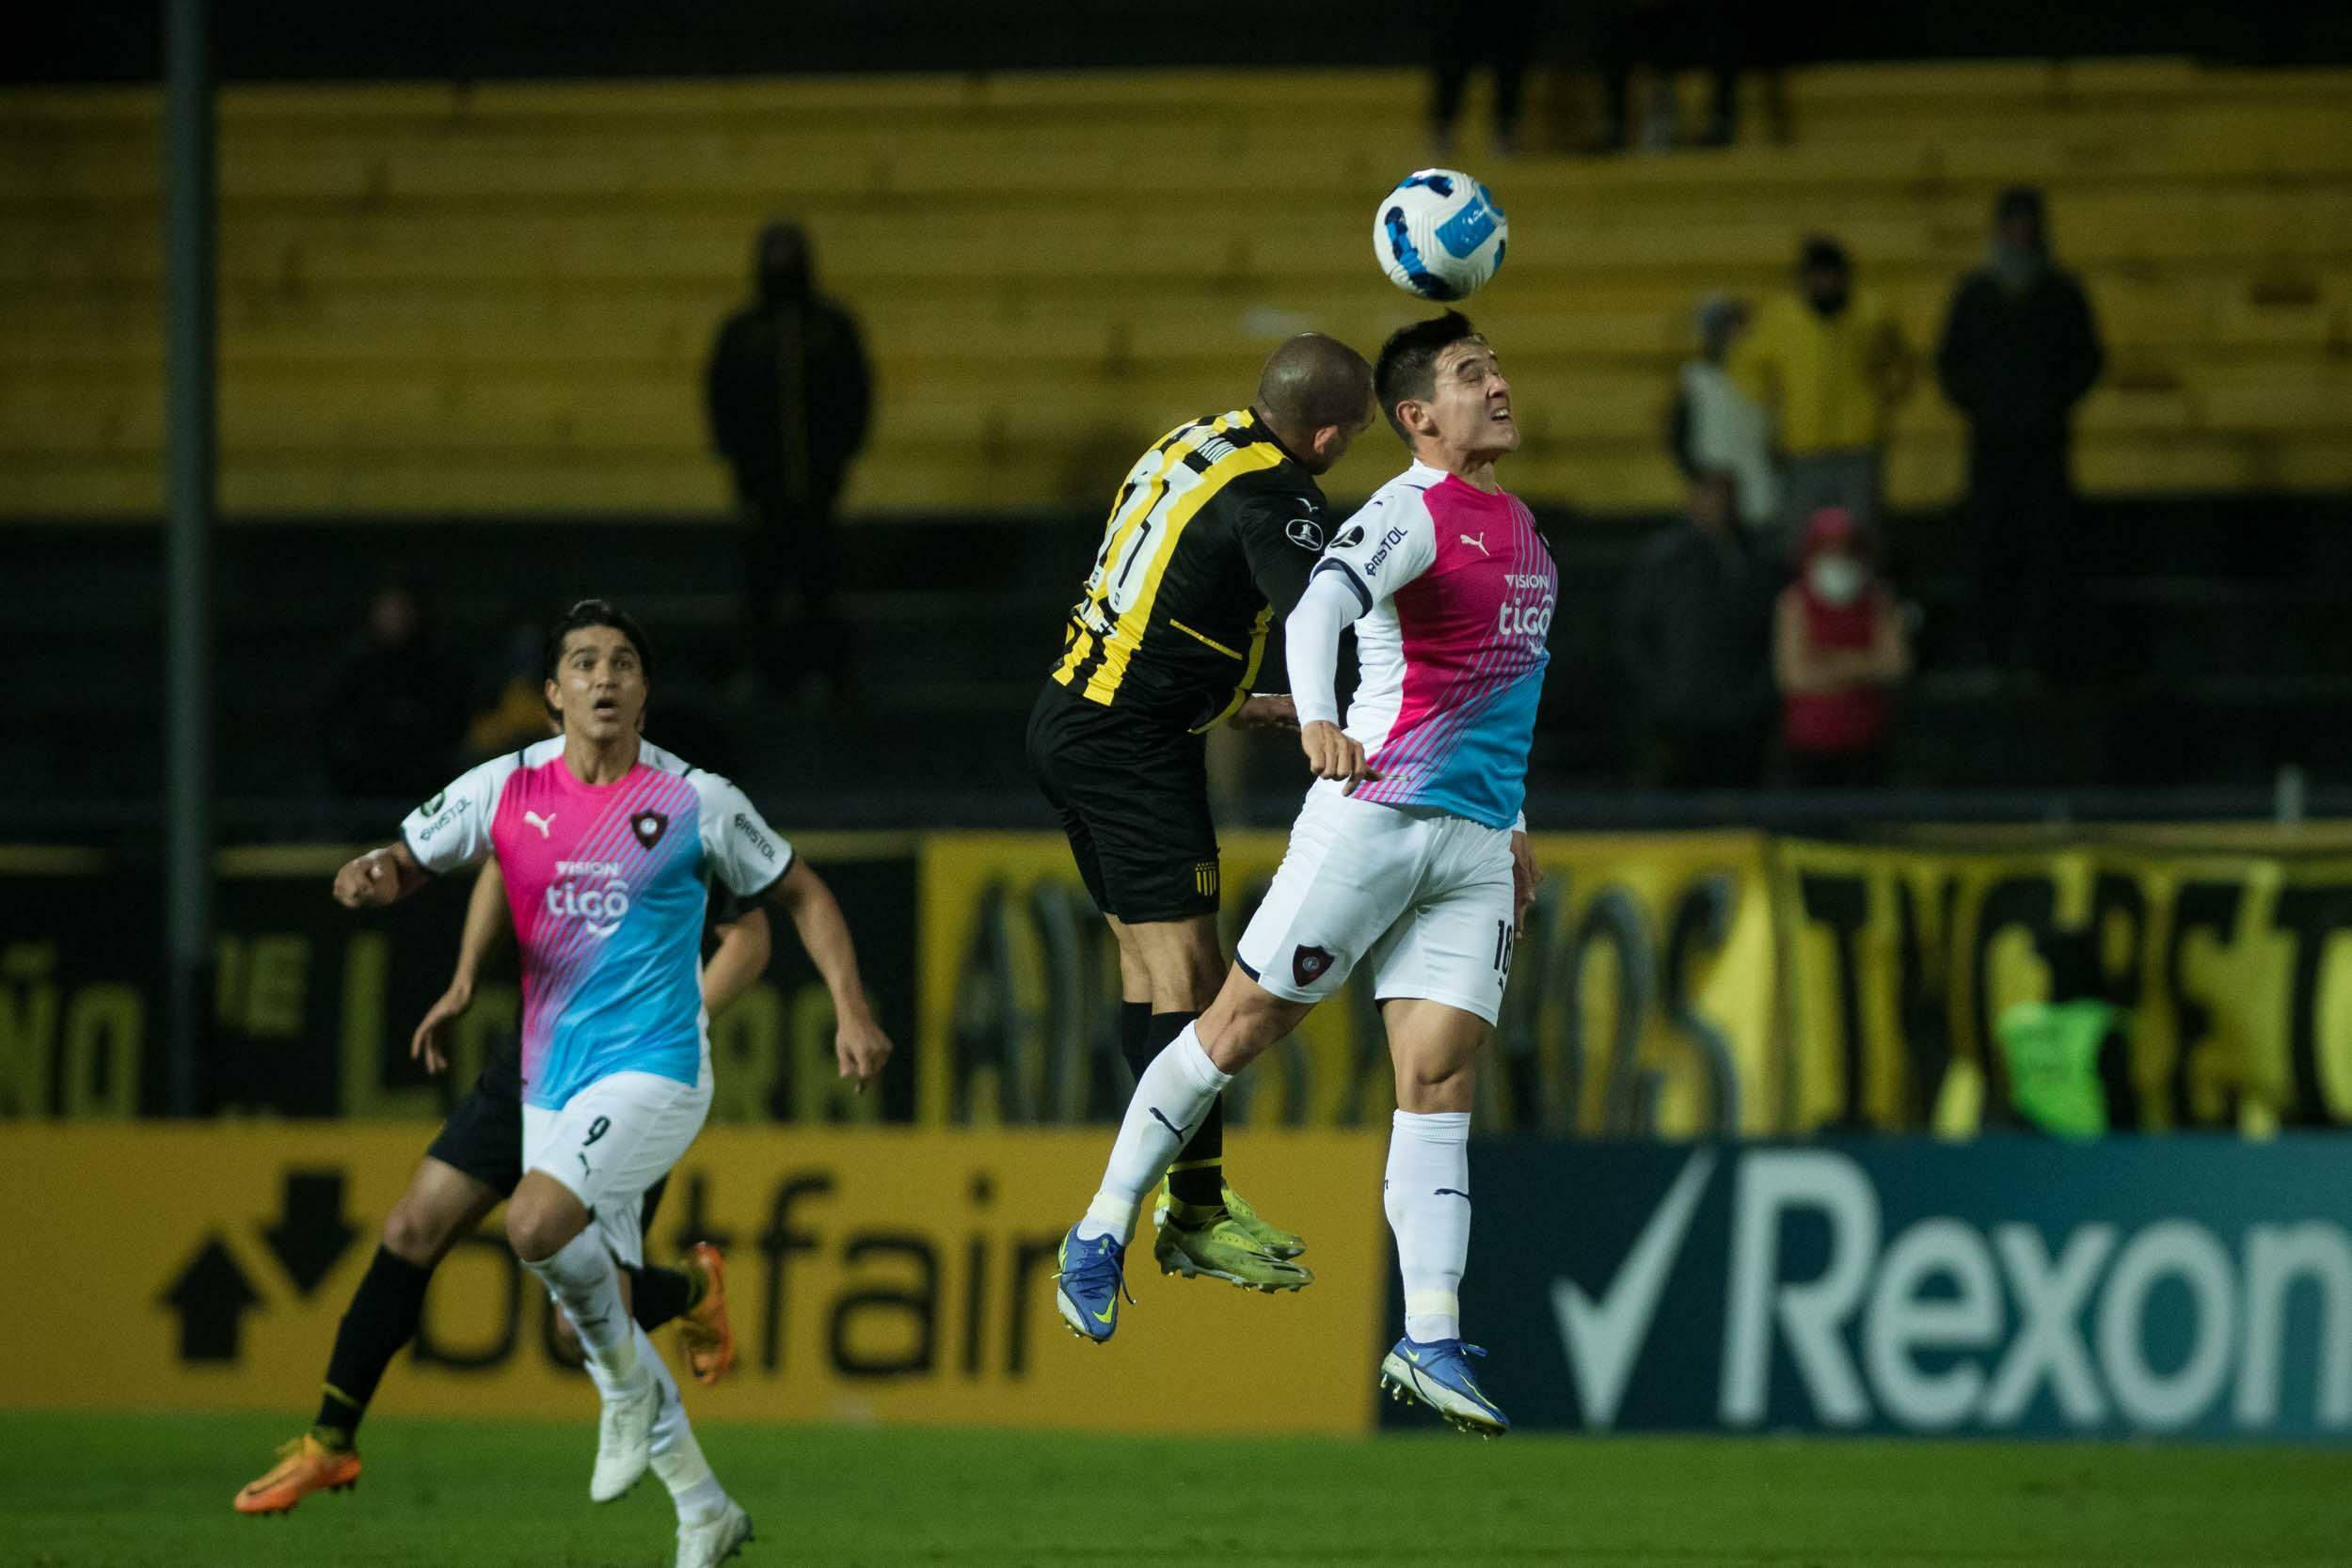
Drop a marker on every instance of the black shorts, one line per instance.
(1133, 794)
(483, 1134)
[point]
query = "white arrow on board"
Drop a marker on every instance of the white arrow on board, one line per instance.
(1604, 1339)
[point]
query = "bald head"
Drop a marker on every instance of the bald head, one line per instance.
(1315, 393)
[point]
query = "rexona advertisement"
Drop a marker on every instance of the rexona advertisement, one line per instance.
(2190, 1286)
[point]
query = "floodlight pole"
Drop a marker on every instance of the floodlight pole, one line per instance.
(188, 493)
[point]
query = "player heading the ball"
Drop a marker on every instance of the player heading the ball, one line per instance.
(1409, 858)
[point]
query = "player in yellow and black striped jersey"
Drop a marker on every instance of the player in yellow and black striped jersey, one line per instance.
(1214, 531)
(1211, 535)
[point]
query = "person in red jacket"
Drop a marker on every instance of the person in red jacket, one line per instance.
(1839, 649)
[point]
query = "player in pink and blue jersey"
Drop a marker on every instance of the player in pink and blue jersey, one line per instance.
(607, 844)
(1409, 858)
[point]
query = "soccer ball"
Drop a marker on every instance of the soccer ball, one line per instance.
(1440, 234)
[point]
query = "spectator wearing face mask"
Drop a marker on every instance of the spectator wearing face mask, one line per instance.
(1830, 364)
(1839, 649)
(2020, 349)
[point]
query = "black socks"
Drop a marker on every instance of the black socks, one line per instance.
(383, 1316)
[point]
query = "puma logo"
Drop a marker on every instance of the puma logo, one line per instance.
(1481, 543)
(542, 823)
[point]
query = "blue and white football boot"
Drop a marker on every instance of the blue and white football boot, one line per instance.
(1437, 1374)
(1092, 1278)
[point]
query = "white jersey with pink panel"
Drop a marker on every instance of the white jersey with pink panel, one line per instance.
(607, 885)
(1458, 591)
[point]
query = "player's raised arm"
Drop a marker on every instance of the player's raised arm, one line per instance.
(738, 960)
(379, 878)
(860, 1045)
(486, 920)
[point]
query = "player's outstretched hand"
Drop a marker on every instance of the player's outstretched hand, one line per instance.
(862, 1048)
(1330, 754)
(430, 1043)
(1266, 711)
(1523, 879)
(369, 881)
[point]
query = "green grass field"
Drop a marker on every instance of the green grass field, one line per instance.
(83, 1491)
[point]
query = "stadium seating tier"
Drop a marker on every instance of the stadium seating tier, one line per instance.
(495, 300)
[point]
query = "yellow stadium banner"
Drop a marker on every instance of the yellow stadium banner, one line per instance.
(884, 1274)
(2231, 973)
(1641, 996)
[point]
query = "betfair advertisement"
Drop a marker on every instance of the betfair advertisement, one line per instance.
(881, 1274)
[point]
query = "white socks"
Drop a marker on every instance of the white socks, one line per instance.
(1170, 1098)
(1427, 1197)
(677, 1459)
(584, 1279)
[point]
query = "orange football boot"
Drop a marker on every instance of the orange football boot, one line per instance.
(704, 1332)
(304, 1465)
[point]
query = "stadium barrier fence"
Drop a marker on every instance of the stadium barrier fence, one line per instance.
(1677, 985)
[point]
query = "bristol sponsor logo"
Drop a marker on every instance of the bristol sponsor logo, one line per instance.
(1947, 1324)
(752, 836)
(1388, 541)
(576, 896)
(447, 818)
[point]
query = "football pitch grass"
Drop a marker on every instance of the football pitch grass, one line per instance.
(83, 1491)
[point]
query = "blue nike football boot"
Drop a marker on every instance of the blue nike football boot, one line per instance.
(1092, 1278)
(1437, 1374)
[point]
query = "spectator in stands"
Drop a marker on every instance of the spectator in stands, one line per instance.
(515, 712)
(1692, 633)
(2020, 349)
(1666, 36)
(789, 398)
(1839, 649)
(1715, 426)
(1497, 33)
(1830, 364)
(395, 705)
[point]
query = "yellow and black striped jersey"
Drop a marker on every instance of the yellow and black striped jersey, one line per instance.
(1212, 534)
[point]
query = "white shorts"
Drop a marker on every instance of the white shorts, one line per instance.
(612, 1141)
(1423, 897)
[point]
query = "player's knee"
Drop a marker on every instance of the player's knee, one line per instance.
(536, 1231)
(1436, 1089)
(1430, 1081)
(414, 1233)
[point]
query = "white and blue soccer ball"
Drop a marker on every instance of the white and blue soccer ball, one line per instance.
(1440, 234)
